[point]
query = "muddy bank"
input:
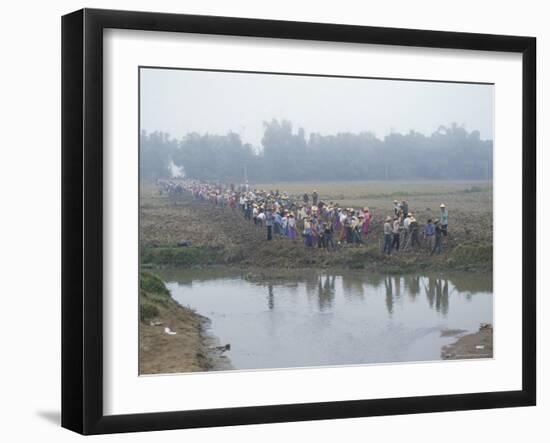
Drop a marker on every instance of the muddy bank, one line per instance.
(190, 349)
(476, 345)
(220, 236)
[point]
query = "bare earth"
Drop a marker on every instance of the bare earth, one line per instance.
(161, 353)
(476, 345)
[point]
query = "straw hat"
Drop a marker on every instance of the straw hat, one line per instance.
(442, 205)
(388, 218)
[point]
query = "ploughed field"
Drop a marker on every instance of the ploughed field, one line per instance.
(221, 236)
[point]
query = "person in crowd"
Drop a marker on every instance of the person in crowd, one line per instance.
(313, 225)
(329, 242)
(343, 218)
(396, 234)
(269, 223)
(308, 236)
(404, 207)
(357, 226)
(347, 226)
(387, 235)
(429, 234)
(396, 208)
(260, 218)
(292, 234)
(277, 223)
(284, 224)
(302, 212)
(438, 232)
(444, 219)
(336, 225)
(367, 217)
(406, 230)
(320, 230)
(241, 202)
(314, 197)
(414, 230)
(248, 209)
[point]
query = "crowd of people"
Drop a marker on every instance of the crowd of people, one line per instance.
(317, 223)
(403, 230)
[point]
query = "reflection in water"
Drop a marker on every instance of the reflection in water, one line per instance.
(389, 294)
(412, 285)
(270, 296)
(442, 302)
(305, 318)
(353, 287)
(327, 292)
(322, 286)
(397, 285)
(323, 289)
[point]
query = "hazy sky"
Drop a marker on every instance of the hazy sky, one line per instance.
(179, 102)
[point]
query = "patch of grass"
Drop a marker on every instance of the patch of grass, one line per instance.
(475, 258)
(150, 283)
(147, 311)
(467, 254)
(184, 257)
(152, 295)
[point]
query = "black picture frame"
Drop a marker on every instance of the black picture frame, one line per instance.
(82, 218)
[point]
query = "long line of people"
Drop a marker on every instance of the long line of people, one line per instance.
(319, 224)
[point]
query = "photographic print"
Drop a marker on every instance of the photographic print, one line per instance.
(293, 221)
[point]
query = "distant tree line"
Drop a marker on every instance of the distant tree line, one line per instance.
(450, 153)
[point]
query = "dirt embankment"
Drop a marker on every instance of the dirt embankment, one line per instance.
(221, 236)
(171, 337)
(476, 345)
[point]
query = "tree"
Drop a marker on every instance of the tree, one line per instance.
(450, 153)
(156, 151)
